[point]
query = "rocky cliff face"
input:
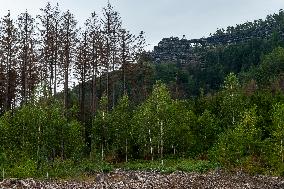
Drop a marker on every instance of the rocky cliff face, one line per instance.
(179, 51)
(184, 51)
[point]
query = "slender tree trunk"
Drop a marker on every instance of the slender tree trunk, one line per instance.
(102, 152)
(83, 79)
(38, 146)
(151, 147)
(107, 73)
(82, 101)
(24, 71)
(8, 80)
(113, 76)
(281, 151)
(126, 150)
(103, 137)
(55, 59)
(124, 63)
(94, 76)
(162, 141)
(67, 62)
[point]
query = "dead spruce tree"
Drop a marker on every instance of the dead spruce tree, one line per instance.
(27, 57)
(82, 65)
(8, 55)
(130, 52)
(2, 79)
(111, 25)
(49, 47)
(82, 73)
(95, 45)
(67, 38)
(68, 41)
(126, 40)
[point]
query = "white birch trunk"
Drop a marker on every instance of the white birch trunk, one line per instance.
(162, 142)
(126, 151)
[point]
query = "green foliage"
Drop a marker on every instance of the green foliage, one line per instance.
(179, 136)
(150, 118)
(23, 169)
(271, 67)
(269, 70)
(278, 120)
(75, 170)
(232, 104)
(3, 159)
(36, 133)
(101, 134)
(120, 123)
(206, 131)
(171, 165)
(237, 143)
(231, 128)
(275, 154)
(223, 103)
(231, 83)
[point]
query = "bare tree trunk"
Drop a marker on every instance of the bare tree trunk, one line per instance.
(124, 62)
(162, 141)
(102, 152)
(107, 73)
(66, 68)
(126, 150)
(55, 59)
(38, 146)
(113, 80)
(24, 71)
(151, 147)
(8, 80)
(94, 76)
(281, 151)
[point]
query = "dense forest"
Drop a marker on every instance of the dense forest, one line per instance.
(69, 94)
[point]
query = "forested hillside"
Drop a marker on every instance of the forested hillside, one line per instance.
(217, 100)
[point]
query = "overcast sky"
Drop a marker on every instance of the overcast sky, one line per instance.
(162, 18)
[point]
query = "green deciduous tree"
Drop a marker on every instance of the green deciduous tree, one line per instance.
(121, 127)
(101, 129)
(36, 131)
(151, 121)
(206, 131)
(179, 135)
(232, 103)
(278, 133)
(243, 141)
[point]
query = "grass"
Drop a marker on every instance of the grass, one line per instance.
(170, 165)
(57, 169)
(86, 168)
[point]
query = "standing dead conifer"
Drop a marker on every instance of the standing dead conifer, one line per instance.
(49, 47)
(111, 25)
(27, 56)
(8, 46)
